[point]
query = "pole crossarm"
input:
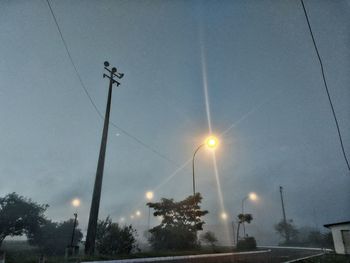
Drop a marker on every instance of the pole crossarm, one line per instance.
(111, 79)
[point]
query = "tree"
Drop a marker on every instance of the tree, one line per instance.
(209, 238)
(313, 237)
(19, 215)
(180, 223)
(112, 239)
(52, 238)
(243, 218)
(287, 231)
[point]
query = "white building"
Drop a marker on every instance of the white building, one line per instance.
(341, 236)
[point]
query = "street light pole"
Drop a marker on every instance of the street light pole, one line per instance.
(193, 179)
(74, 226)
(252, 196)
(284, 216)
(243, 200)
(211, 142)
(149, 196)
(95, 203)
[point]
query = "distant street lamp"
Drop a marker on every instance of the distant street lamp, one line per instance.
(251, 196)
(149, 197)
(211, 142)
(224, 216)
(76, 204)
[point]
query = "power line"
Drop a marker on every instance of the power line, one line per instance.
(326, 86)
(92, 101)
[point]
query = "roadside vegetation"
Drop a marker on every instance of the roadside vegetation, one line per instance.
(292, 235)
(177, 234)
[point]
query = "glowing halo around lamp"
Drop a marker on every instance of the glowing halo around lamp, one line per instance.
(149, 195)
(253, 196)
(212, 142)
(223, 216)
(75, 202)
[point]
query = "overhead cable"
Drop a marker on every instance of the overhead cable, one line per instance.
(326, 86)
(92, 101)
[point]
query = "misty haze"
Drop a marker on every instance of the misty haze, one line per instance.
(157, 129)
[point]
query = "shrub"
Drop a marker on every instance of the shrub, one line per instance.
(113, 239)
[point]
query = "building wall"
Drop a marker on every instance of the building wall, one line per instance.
(337, 237)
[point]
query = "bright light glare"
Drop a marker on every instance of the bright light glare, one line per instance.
(138, 213)
(212, 142)
(253, 196)
(76, 202)
(223, 216)
(149, 195)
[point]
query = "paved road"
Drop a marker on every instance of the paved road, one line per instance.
(264, 255)
(287, 254)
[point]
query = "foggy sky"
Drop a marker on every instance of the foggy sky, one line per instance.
(264, 83)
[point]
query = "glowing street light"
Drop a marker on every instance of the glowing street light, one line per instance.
(251, 196)
(76, 202)
(149, 195)
(212, 143)
(138, 213)
(224, 216)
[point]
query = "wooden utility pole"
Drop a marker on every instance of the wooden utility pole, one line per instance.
(95, 203)
(284, 216)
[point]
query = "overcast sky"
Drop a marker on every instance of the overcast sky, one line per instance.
(266, 99)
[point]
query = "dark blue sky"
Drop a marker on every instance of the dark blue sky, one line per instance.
(265, 92)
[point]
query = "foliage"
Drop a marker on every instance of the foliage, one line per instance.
(52, 238)
(312, 237)
(112, 239)
(243, 218)
(180, 223)
(288, 231)
(304, 236)
(209, 238)
(248, 243)
(19, 215)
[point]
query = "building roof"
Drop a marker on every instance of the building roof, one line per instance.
(337, 224)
